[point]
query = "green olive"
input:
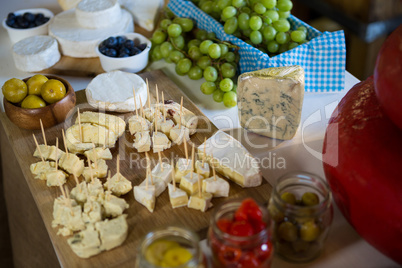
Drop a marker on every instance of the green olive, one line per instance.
(287, 231)
(310, 199)
(309, 231)
(288, 198)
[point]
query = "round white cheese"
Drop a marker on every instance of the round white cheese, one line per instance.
(113, 91)
(96, 14)
(76, 41)
(36, 53)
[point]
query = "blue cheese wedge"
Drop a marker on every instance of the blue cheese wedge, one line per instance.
(201, 203)
(231, 159)
(98, 153)
(270, 101)
(217, 187)
(178, 197)
(118, 185)
(145, 196)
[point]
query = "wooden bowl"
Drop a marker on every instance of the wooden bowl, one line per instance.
(51, 114)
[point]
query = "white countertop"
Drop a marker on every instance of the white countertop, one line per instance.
(344, 247)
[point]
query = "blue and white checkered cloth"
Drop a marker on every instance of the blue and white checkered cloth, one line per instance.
(322, 58)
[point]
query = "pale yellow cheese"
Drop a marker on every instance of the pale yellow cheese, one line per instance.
(178, 197)
(201, 203)
(145, 196)
(190, 184)
(98, 171)
(118, 185)
(72, 164)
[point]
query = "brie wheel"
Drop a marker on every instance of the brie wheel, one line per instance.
(96, 14)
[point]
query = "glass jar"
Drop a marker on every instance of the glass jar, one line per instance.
(300, 226)
(168, 247)
(239, 251)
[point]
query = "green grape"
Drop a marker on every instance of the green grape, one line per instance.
(230, 99)
(215, 9)
(230, 57)
(214, 51)
(298, 36)
(174, 30)
(169, 13)
(255, 23)
(269, 3)
(292, 45)
(246, 10)
(247, 32)
(226, 84)
(284, 5)
(211, 36)
(208, 88)
(269, 33)
(165, 23)
(234, 88)
(175, 56)
(272, 14)
(159, 37)
(166, 48)
(273, 46)
(217, 95)
(224, 49)
(283, 48)
(193, 43)
(229, 11)
(207, 6)
(195, 73)
(210, 74)
(204, 62)
(201, 35)
(183, 65)
(156, 53)
(259, 8)
(228, 70)
(282, 38)
(230, 25)
(238, 3)
(222, 18)
(281, 25)
(194, 53)
(267, 20)
(178, 42)
(185, 23)
(205, 45)
(256, 37)
(168, 60)
(284, 14)
(223, 3)
(302, 28)
(243, 21)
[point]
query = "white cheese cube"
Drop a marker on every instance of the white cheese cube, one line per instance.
(92, 212)
(142, 142)
(145, 196)
(48, 152)
(218, 187)
(40, 167)
(177, 135)
(202, 169)
(165, 126)
(113, 232)
(98, 153)
(54, 177)
(189, 183)
(183, 167)
(188, 118)
(95, 189)
(165, 174)
(72, 164)
(159, 185)
(160, 142)
(138, 124)
(99, 170)
(79, 192)
(118, 185)
(178, 197)
(201, 203)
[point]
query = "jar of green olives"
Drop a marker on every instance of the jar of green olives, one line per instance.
(301, 210)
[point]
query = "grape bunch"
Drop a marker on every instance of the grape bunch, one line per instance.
(198, 54)
(261, 23)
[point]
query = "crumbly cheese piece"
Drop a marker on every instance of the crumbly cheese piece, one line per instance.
(85, 243)
(54, 177)
(231, 159)
(113, 232)
(69, 216)
(202, 169)
(99, 170)
(270, 101)
(152, 113)
(41, 167)
(183, 167)
(217, 187)
(113, 205)
(142, 142)
(165, 126)
(145, 196)
(119, 97)
(76, 41)
(72, 164)
(144, 12)
(96, 14)
(159, 185)
(95, 189)
(48, 152)
(138, 124)
(177, 135)
(188, 118)
(178, 197)
(165, 174)
(118, 185)
(92, 212)
(36, 53)
(201, 203)
(189, 183)
(98, 153)
(80, 193)
(160, 142)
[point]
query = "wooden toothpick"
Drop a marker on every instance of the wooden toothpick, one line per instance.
(142, 109)
(77, 183)
(95, 158)
(108, 187)
(37, 146)
(118, 164)
(199, 184)
(181, 111)
(149, 97)
(160, 160)
(185, 150)
(192, 161)
(63, 192)
(79, 124)
(205, 145)
(64, 141)
(173, 179)
(57, 149)
(163, 107)
(90, 170)
(213, 166)
(135, 103)
(43, 132)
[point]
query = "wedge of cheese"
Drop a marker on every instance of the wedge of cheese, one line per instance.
(270, 101)
(48, 152)
(85, 243)
(113, 232)
(98, 153)
(118, 185)
(178, 197)
(231, 159)
(111, 122)
(145, 196)
(72, 164)
(201, 203)
(217, 187)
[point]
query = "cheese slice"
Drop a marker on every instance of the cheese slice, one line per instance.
(231, 159)
(113, 232)
(113, 123)
(160, 142)
(113, 91)
(36, 53)
(78, 42)
(48, 152)
(118, 185)
(142, 142)
(217, 187)
(144, 12)
(201, 203)
(270, 101)
(85, 243)
(145, 196)
(98, 153)
(95, 14)
(178, 197)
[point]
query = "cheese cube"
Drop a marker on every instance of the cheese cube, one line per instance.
(48, 152)
(177, 135)
(95, 189)
(118, 185)
(202, 169)
(183, 167)
(178, 197)
(188, 118)
(145, 197)
(150, 113)
(99, 170)
(138, 124)
(218, 187)
(98, 153)
(160, 185)
(114, 206)
(40, 167)
(160, 142)
(72, 164)
(190, 184)
(165, 126)
(68, 214)
(201, 203)
(85, 243)
(79, 193)
(270, 101)
(113, 232)
(92, 212)
(142, 141)
(54, 177)
(165, 175)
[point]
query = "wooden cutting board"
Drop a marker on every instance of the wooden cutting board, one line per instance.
(140, 220)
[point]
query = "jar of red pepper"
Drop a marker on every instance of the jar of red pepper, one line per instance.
(240, 235)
